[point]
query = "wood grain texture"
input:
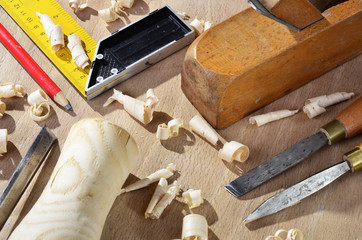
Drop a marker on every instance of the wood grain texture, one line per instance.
(298, 13)
(250, 60)
(333, 213)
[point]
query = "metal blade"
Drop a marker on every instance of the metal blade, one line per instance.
(277, 164)
(299, 191)
(24, 172)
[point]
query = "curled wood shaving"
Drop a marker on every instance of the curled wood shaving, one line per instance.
(76, 5)
(40, 109)
(126, 3)
(3, 140)
(2, 109)
(79, 56)
(262, 119)
(160, 191)
(172, 190)
(203, 128)
(54, 32)
(194, 226)
(282, 233)
(192, 198)
(154, 177)
(316, 106)
(8, 90)
(234, 151)
(37, 97)
(165, 132)
(37, 112)
(110, 14)
(200, 26)
(295, 234)
(142, 111)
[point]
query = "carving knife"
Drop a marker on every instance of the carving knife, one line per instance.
(294, 194)
(347, 124)
(25, 172)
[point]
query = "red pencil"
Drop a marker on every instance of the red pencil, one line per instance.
(33, 69)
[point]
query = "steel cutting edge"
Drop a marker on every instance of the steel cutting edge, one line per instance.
(299, 191)
(277, 164)
(25, 172)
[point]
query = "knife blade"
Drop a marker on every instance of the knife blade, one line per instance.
(309, 186)
(347, 124)
(25, 172)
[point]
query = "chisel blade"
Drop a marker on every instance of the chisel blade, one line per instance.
(24, 172)
(299, 191)
(277, 164)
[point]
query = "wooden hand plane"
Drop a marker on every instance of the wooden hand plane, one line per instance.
(250, 60)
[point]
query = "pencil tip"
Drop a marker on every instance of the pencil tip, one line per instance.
(68, 107)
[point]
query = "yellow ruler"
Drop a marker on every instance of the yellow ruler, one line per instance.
(24, 14)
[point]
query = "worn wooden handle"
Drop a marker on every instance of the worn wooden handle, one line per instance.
(351, 118)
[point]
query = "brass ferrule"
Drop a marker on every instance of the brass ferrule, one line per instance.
(335, 131)
(354, 158)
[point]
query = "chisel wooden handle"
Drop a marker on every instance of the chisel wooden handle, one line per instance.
(351, 118)
(347, 124)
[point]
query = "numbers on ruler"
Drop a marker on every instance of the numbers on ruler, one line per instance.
(25, 12)
(29, 19)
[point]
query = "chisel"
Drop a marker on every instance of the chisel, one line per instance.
(294, 194)
(25, 171)
(347, 124)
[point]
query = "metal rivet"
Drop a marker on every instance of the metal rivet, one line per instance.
(100, 56)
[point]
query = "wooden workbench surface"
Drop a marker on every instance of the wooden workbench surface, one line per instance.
(333, 213)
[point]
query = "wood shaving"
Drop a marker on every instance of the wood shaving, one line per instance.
(203, 128)
(54, 32)
(316, 106)
(160, 191)
(200, 26)
(262, 119)
(295, 234)
(154, 177)
(194, 226)
(234, 151)
(126, 3)
(192, 198)
(282, 234)
(2, 109)
(172, 190)
(165, 132)
(39, 109)
(3, 140)
(142, 111)
(79, 56)
(110, 14)
(76, 5)
(8, 90)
